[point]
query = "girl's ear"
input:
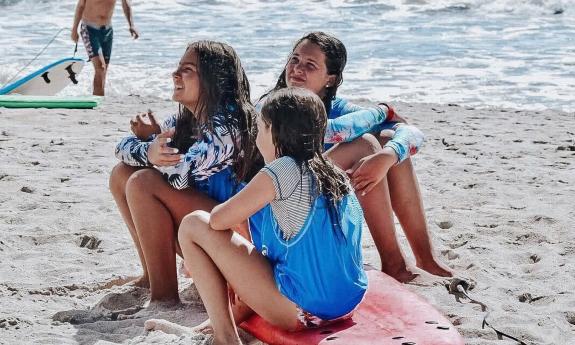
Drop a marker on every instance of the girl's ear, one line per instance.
(330, 80)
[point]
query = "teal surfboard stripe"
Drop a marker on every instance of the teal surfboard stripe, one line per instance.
(22, 101)
(19, 82)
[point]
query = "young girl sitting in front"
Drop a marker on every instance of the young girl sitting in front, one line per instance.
(307, 268)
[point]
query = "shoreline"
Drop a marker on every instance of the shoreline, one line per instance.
(497, 186)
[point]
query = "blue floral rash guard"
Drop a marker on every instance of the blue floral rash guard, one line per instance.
(348, 121)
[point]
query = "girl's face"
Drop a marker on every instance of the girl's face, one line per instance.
(187, 81)
(264, 141)
(306, 68)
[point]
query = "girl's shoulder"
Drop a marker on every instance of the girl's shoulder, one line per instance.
(285, 165)
(286, 175)
(338, 105)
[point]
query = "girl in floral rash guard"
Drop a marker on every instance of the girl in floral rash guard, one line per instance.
(373, 145)
(192, 161)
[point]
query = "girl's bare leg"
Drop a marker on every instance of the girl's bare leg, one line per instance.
(376, 207)
(118, 179)
(408, 206)
(221, 257)
(157, 210)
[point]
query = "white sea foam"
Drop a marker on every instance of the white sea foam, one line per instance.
(516, 53)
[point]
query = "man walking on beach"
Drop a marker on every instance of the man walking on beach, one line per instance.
(97, 34)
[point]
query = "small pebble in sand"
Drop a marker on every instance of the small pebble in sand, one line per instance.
(26, 189)
(444, 224)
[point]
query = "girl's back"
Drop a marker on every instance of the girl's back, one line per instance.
(311, 233)
(315, 249)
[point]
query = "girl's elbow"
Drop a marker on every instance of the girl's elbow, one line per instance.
(216, 221)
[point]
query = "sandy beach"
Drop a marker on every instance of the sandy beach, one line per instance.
(498, 187)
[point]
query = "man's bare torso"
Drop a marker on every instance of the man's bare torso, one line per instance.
(98, 12)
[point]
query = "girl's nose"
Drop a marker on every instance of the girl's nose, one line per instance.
(298, 69)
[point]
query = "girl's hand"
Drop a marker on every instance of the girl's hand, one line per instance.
(243, 229)
(160, 154)
(370, 170)
(142, 129)
(394, 116)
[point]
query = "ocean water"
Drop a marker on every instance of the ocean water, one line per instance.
(511, 53)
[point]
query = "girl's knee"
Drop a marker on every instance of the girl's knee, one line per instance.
(385, 136)
(367, 145)
(142, 180)
(119, 177)
(193, 225)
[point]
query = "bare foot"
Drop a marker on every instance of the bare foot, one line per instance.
(403, 276)
(401, 273)
(173, 328)
(204, 327)
(166, 327)
(436, 268)
(142, 282)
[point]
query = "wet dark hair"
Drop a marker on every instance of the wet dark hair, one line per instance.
(224, 89)
(298, 120)
(335, 60)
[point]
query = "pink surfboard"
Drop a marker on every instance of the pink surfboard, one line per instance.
(389, 314)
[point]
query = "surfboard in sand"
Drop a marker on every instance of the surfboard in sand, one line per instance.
(23, 101)
(389, 314)
(47, 81)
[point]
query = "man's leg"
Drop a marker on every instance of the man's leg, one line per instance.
(100, 69)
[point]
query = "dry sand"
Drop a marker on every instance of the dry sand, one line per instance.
(498, 186)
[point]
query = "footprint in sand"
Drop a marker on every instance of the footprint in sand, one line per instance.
(111, 308)
(13, 322)
(451, 255)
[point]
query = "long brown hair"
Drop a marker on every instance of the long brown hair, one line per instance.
(298, 120)
(335, 61)
(224, 90)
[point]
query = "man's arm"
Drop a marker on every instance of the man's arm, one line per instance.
(128, 13)
(77, 17)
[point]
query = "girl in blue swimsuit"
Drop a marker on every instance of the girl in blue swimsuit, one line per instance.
(307, 270)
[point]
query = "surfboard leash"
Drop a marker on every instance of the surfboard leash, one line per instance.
(458, 288)
(35, 57)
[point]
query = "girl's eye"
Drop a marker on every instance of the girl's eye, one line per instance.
(311, 66)
(294, 60)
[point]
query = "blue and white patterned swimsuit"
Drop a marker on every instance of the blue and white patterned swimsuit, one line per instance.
(209, 158)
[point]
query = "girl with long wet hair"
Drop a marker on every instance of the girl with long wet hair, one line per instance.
(372, 144)
(193, 160)
(306, 270)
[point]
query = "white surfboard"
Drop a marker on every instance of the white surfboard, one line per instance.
(48, 80)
